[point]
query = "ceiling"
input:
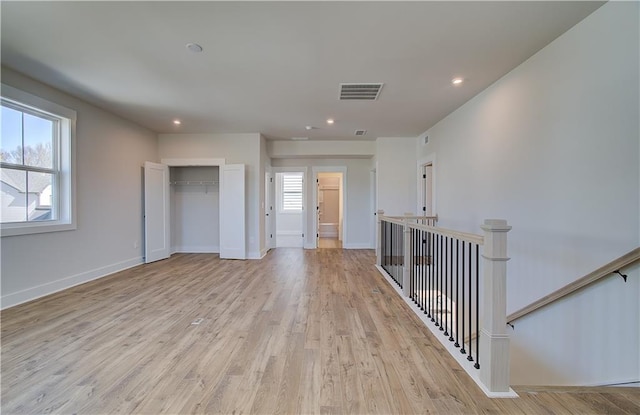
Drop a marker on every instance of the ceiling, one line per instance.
(276, 67)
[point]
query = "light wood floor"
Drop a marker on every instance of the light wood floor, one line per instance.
(334, 243)
(299, 332)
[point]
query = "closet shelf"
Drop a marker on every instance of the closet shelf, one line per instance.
(194, 182)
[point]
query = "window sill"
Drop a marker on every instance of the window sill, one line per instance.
(35, 228)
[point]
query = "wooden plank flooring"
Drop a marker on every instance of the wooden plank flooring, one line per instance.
(298, 332)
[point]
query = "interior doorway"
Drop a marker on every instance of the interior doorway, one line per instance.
(427, 177)
(290, 209)
(427, 186)
(329, 210)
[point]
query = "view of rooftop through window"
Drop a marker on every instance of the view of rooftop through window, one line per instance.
(28, 174)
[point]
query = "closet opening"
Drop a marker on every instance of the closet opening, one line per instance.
(195, 209)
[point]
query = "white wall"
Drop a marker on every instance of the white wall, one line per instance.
(553, 147)
(108, 205)
(357, 199)
(321, 149)
(235, 149)
(396, 174)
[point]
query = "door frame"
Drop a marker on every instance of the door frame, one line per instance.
(305, 201)
(430, 159)
(329, 169)
(197, 162)
(269, 220)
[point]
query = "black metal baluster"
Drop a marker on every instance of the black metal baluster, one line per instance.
(443, 294)
(477, 365)
(457, 344)
(470, 357)
(450, 296)
(462, 349)
(419, 279)
(429, 274)
(382, 223)
(390, 237)
(434, 279)
(440, 283)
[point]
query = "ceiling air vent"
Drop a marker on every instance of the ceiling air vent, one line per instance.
(367, 92)
(360, 132)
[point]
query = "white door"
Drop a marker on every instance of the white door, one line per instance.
(232, 216)
(268, 211)
(290, 215)
(157, 224)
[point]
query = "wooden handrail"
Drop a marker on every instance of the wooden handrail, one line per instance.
(413, 217)
(393, 219)
(608, 269)
(463, 236)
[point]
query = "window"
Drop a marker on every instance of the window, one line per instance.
(35, 164)
(291, 192)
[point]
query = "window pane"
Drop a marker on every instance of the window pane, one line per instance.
(13, 195)
(39, 196)
(292, 191)
(38, 141)
(11, 142)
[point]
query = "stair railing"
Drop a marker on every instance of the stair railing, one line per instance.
(613, 267)
(438, 272)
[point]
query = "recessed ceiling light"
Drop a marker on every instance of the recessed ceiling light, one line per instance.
(308, 127)
(194, 47)
(457, 81)
(177, 122)
(330, 121)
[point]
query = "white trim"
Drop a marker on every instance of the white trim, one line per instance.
(356, 246)
(305, 176)
(345, 198)
(196, 249)
(257, 255)
(373, 189)
(289, 233)
(183, 162)
(20, 297)
(66, 192)
(330, 230)
(431, 158)
(444, 341)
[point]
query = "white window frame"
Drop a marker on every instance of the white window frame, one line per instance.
(281, 207)
(65, 192)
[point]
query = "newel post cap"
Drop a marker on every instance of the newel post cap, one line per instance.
(496, 225)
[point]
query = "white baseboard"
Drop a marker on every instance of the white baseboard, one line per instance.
(356, 246)
(13, 299)
(196, 249)
(289, 240)
(257, 255)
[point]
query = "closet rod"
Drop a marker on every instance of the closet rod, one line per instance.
(194, 182)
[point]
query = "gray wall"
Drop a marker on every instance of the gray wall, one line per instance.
(108, 205)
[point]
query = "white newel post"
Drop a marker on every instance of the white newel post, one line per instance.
(406, 268)
(494, 340)
(379, 214)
